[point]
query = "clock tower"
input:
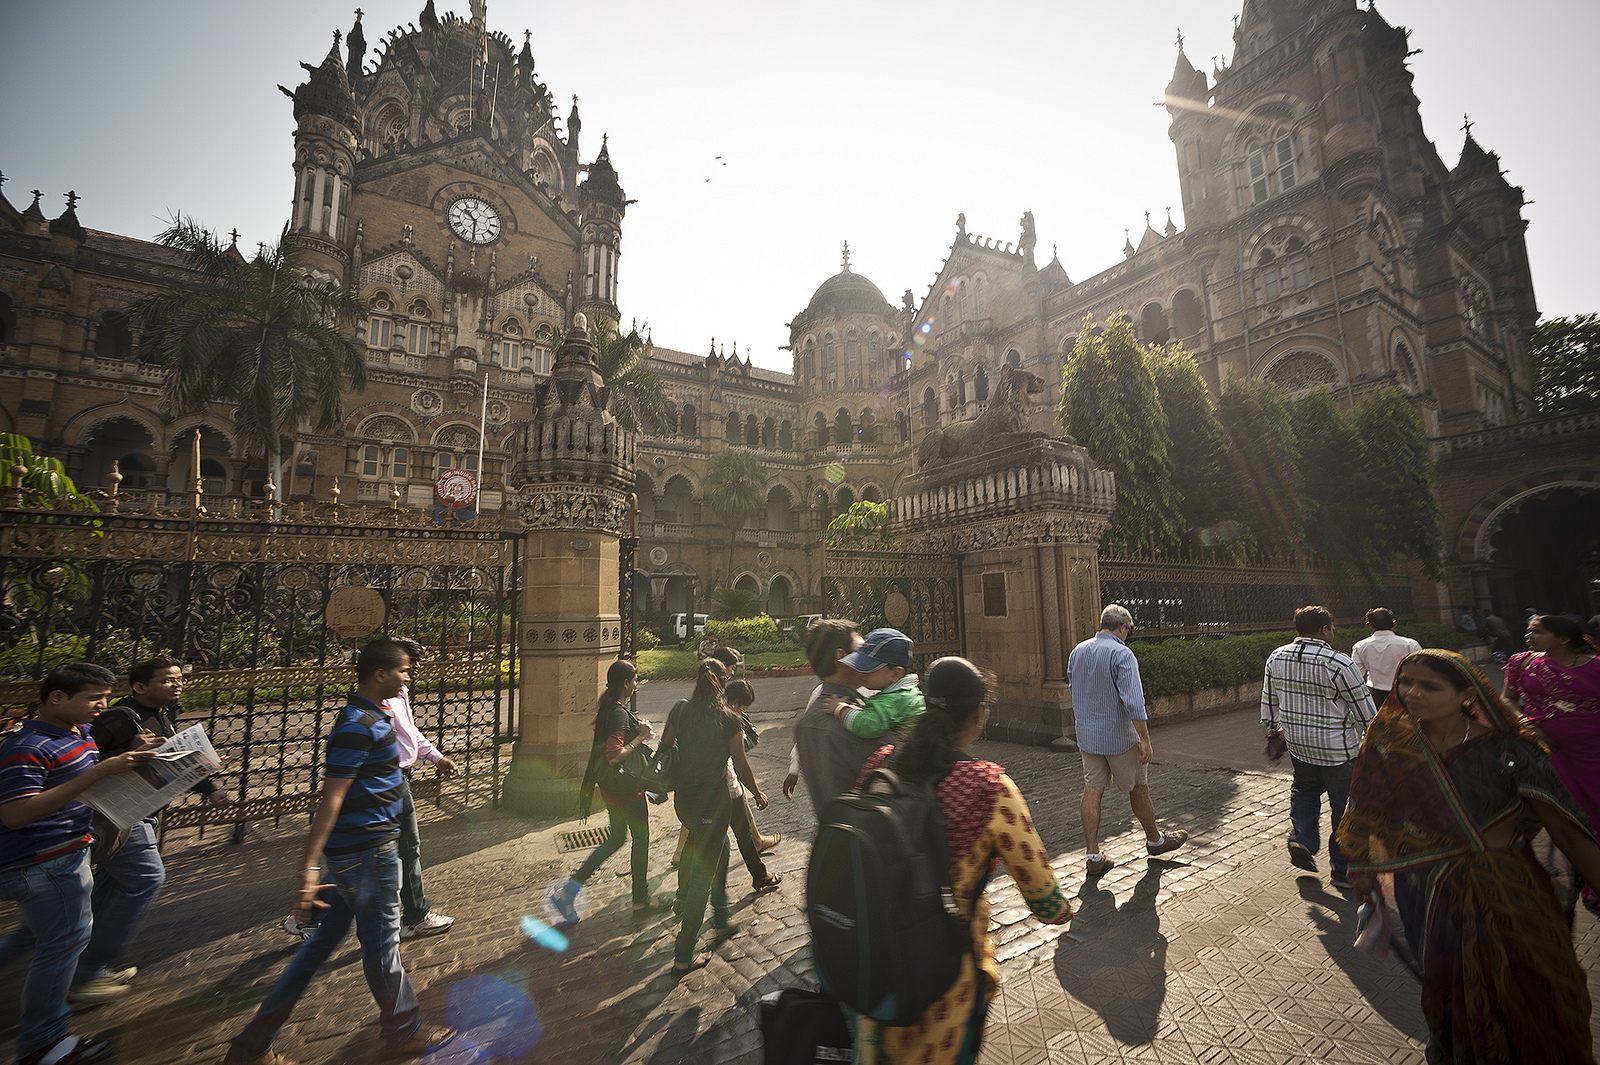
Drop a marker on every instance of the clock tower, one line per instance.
(434, 179)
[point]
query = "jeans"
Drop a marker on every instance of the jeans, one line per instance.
(363, 887)
(55, 918)
(124, 887)
(633, 817)
(1305, 806)
(413, 901)
(704, 867)
(744, 834)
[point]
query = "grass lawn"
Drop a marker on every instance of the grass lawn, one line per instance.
(664, 664)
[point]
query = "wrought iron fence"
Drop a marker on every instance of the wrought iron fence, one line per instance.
(265, 604)
(1206, 596)
(918, 594)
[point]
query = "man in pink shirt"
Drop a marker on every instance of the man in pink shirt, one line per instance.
(417, 916)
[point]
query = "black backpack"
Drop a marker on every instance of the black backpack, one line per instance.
(886, 936)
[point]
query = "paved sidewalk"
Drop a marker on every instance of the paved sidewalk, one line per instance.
(1222, 954)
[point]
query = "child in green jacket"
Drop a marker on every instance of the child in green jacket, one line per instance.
(884, 657)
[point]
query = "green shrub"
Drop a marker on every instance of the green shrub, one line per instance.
(647, 640)
(746, 632)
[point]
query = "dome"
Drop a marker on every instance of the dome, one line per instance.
(847, 293)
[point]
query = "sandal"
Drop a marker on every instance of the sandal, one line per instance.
(425, 1041)
(699, 961)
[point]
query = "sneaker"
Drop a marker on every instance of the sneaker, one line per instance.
(122, 976)
(769, 884)
(434, 924)
(1339, 881)
(562, 900)
(300, 931)
(1300, 857)
(1170, 841)
(73, 1049)
(1099, 866)
(100, 989)
(426, 1041)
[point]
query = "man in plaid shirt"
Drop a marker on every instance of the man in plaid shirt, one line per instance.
(1318, 699)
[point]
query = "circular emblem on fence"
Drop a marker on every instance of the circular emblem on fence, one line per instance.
(658, 556)
(456, 488)
(355, 612)
(896, 609)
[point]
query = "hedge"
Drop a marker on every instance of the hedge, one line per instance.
(1183, 667)
(744, 632)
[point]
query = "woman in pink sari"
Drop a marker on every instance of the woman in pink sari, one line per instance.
(1556, 685)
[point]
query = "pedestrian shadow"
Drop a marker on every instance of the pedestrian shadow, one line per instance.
(1115, 959)
(1386, 983)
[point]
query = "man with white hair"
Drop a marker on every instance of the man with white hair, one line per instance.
(1113, 738)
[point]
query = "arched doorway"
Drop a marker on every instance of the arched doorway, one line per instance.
(127, 443)
(779, 593)
(1545, 552)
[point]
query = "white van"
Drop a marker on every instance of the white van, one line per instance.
(679, 629)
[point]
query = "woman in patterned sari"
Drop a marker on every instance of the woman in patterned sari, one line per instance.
(987, 822)
(1450, 785)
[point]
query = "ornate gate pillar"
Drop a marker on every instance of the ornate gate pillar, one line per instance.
(1024, 515)
(572, 477)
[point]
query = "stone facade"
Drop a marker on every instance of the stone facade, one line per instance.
(1324, 243)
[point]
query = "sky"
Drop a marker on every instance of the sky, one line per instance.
(871, 121)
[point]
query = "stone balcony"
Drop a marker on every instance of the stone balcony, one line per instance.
(397, 360)
(123, 369)
(1520, 435)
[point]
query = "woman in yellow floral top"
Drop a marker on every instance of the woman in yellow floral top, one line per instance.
(987, 822)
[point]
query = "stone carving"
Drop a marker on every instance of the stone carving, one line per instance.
(572, 506)
(427, 402)
(999, 426)
(499, 412)
(1301, 371)
(1027, 530)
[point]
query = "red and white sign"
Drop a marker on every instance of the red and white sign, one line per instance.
(456, 488)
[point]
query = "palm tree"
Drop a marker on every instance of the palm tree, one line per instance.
(260, 333)
(735, 482)
(637, 397)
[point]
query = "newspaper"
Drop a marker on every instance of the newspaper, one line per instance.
(125, 799)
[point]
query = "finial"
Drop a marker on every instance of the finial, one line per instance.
(847, 256)
(527, 36)
(1055, 251)
(337, 34)
(580, 322)
(234, 233)
(2, 177)
(1466, 125)
(574, 99)
(72, 200)
(36, 195)
(1147, 218)
(1180, 38)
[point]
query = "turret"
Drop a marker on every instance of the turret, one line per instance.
(324, 162)
(601, 203)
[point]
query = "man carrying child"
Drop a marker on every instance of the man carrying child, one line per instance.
(882, 660)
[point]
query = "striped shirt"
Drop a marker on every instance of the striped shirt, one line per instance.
(362, 748)
(1319, 699)
(35, 758)
(1107, 695)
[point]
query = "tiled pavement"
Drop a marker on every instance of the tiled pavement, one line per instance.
(1218, 955)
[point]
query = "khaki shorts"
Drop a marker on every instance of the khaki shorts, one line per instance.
(1100, 770)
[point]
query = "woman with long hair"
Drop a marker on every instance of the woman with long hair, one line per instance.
(1450, 785)
(1556, 685)
(617, 734)
(986, 820)
(706, 735)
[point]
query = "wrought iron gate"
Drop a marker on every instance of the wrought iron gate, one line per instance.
(918, 594)
(265, 610)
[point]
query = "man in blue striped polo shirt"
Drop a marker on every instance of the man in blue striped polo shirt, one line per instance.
(356, 828)
(44, 853)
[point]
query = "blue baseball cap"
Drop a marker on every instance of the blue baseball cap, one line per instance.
(882, 647)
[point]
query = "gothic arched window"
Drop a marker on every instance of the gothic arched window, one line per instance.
(980, 384)
(1271, 163)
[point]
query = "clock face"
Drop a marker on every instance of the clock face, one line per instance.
(473, 220)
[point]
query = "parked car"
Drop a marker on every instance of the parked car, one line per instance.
(680, 629)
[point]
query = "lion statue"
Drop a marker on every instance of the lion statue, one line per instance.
(1003, 423)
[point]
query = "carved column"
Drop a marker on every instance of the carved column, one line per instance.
(572, 478)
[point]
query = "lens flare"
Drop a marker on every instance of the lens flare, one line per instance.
(493, 1018)
(834, 472)
(543, 934)
(926, 327)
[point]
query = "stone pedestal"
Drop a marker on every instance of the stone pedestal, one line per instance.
(572, 478)
(1025, 520)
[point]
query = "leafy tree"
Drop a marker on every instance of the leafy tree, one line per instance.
(1335, 488)
(638, 398)
(1203, 474)
(1260, 437)
(1566, 364)
(732, 604)
(46, 479)
(261, 333)
(864, 525)
(1401, 475)
(1110, 405)
(735, 482)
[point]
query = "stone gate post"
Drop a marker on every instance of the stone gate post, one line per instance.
(1025, 519)
(572, 475)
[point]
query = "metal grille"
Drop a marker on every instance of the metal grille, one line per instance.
(581, 840)
(1200, 597)
(917, 594)
(243, 600)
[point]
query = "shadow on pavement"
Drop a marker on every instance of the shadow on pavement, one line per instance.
(1115, 961)
(1392, 992)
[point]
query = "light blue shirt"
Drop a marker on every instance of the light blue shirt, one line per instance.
(1107, 697)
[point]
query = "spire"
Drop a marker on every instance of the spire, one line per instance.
(1127, 245)
(525, 58)
(1187, 83)
(33, 213)
(68, 224)
(1149, 238)
(355, 45)
(429, 19)
(574, 124)
(1171, 229)
(602, 185)
(327, 91)
(846, 269)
